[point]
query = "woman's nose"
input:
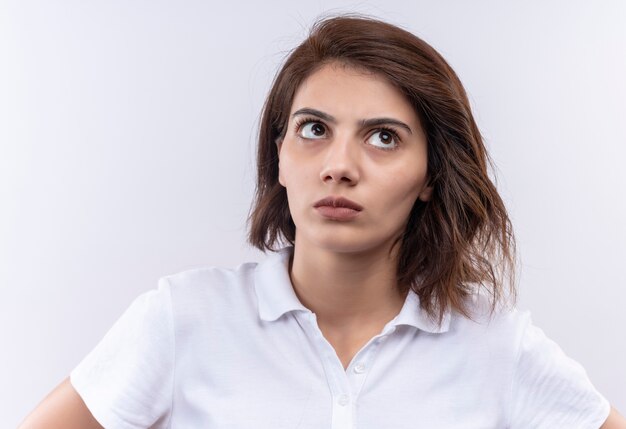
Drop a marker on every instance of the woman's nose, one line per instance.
(341, 162)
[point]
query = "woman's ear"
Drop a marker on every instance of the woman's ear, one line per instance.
(427, 190)
(279, 144)
(426, 193)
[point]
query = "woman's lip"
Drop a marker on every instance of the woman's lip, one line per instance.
(337, 213)
(338, 202)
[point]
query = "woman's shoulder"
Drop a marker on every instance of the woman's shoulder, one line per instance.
(219, 276)
(499, 324)
(205, 290)
(219, 279)
(484, 312)
(210, 278)
(216, 291)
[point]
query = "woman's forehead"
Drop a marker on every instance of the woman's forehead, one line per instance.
(347, 92)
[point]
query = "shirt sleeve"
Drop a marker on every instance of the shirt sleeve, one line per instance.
(126, 381)
(551, 390)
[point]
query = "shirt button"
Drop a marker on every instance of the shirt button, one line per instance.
(359, 368)
(343, 400)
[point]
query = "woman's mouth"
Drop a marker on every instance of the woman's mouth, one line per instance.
(338, 208)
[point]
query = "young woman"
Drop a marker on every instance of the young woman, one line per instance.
(382, 304)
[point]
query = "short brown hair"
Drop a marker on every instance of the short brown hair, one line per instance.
(455, 243)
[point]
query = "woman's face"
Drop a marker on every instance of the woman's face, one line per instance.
(352, 134)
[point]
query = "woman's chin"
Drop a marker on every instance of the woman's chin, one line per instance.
(341, 243)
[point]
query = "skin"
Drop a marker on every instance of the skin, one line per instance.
(63, 408)
(342, 271)
(345, 271)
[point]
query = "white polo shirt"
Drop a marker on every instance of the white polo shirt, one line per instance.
(235, 348)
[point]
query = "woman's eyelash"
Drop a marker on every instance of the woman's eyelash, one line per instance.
(306, 120)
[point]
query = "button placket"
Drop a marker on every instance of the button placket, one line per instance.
(343, 399)
(345, 386)
(338, 383)
(363, 364)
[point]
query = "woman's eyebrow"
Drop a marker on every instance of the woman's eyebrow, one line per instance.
(362, 123)
(314, 112)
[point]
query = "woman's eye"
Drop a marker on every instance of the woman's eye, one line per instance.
(312, 130)
(383, 139)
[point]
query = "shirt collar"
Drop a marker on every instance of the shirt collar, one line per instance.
(273, 286)
(413, 315)
(276, 296)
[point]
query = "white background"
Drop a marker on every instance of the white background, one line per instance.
(127, 137)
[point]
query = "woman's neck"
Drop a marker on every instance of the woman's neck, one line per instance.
(347, 291)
